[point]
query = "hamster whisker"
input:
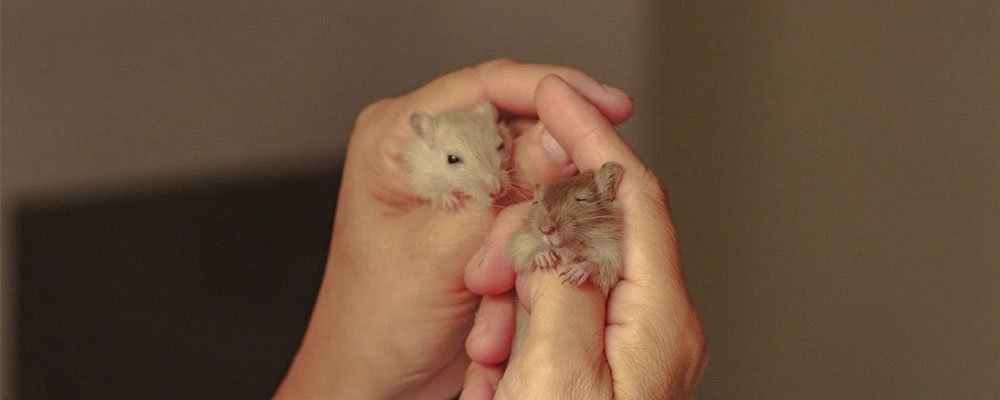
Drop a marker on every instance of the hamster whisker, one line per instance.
(599, 218)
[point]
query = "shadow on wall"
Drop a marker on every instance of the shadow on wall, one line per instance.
(193, 291)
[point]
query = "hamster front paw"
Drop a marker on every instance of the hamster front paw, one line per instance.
(576, 274)
(450, 201)
(546, 259)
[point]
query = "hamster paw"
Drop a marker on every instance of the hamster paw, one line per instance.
(575, 274)
(451, 201)
(546, 259)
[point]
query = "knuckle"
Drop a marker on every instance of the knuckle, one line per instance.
(455, 81)
(497, 62)
(485, 68)
(651, 187)
(370, 110)
(697, 343)
(696, 346)
(569, 73)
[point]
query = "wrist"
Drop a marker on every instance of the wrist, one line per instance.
(321, 371)
(330, 362)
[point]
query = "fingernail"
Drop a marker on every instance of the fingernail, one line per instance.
(477, 259)
(614, 91)
(556, 153)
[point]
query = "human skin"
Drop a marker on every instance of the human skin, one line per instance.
(645, 342)
(393, 310)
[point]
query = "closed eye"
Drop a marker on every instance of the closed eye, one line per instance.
(584, 198)
(500, 147)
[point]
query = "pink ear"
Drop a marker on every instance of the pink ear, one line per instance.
(608, 178)
(425, 126)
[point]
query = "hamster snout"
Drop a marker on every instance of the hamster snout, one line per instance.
(549, 230)
(488, 187)
(498, 185)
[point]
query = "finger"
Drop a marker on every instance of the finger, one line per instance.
(490, 339)
(563, 316)
(510, 86)
(490, 273)
(578, 127)
(480, 382)
(653, 283)
(592, 141)
(564, 341)
(539, 159)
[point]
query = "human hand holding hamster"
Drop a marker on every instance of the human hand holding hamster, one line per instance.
(393, 311)
(643, 341)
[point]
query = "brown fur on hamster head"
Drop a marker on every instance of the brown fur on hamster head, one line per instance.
(574, 207)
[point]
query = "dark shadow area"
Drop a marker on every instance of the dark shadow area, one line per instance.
(198, 291)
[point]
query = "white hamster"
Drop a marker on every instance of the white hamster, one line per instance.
(458, 155)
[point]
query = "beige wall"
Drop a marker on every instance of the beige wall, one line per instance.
(100, 92)
(835, 175)
(833, 168)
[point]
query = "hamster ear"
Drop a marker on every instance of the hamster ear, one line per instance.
(608, 178)
(487, 110)
(425, 126)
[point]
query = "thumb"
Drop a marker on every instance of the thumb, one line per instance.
(562, 353)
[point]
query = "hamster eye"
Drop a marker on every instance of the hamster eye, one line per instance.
(453, 159)
(500, 147)
(584, 199)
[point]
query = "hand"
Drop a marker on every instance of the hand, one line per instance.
(646, 342)
(393, 311)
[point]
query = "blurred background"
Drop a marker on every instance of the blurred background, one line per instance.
(169, 172)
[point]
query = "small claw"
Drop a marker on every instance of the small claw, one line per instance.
(548, 259)
(575, 275)
(555, 258)
(451, 202)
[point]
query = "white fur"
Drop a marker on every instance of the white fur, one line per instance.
(471, 135)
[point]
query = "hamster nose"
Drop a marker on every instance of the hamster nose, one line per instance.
(547, 229)
(496, 189)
